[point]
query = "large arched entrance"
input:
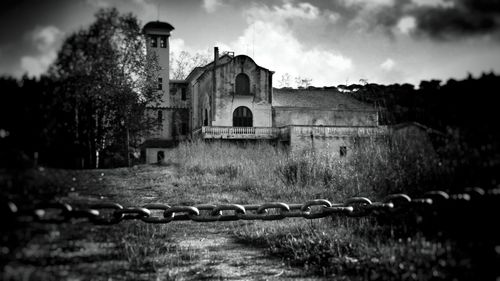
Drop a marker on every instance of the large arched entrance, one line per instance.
(242, 117)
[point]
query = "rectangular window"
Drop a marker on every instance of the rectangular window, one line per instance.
(160, 83)
(183, 93)
(173, 91)
(343, 151)
(153, 41)
(163, 41)
(159, 120)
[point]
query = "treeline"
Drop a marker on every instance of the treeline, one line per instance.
(464, 111)
(89, 109)
(40, 124)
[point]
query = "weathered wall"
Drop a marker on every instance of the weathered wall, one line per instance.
(330, 146)
(163, 130)
(163, 57)
(176, 95)
(202, 89)
(152, 154)
(283, 116)
(226, 105)
(226, 98)
(329, 140)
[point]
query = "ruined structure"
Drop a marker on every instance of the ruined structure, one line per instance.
(232, 98)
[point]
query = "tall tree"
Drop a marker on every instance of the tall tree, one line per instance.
(105, 78)
(183, 63)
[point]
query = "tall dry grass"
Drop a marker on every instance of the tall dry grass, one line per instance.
(374, 167)
(258, 172)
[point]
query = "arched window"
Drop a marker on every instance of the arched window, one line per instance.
(242, 117)
(242, 84)
(205, 120)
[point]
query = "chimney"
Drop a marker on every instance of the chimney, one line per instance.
(214, 81)
(216, 55)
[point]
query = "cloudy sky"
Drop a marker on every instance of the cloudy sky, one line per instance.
(331, 41)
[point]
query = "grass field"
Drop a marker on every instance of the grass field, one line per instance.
(195, 173)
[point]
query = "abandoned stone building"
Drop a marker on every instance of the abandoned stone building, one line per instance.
(232, 98)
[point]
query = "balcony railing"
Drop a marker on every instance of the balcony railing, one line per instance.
(285, 133)
(328, 131)
(213, 132)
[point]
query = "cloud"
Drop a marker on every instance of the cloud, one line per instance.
(272, 43)
(462, 19)
(46, 37)
(177, 45)
(98, 3)
(211, 5)
(406, 24)
(46, 40)
(37, 65)
(370, 3)
(435, 19)
(146, 8)
(288, 12)
(435, 3)
(388, 64)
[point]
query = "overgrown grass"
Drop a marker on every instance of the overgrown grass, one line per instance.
(340, 248)
(375, 168)
(348, 248)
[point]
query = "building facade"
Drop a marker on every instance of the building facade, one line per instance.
(232, 98)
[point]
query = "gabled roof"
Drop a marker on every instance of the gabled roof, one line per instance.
(223, 60)
(316, 98)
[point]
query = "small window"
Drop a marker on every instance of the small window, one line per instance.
(160, 117)
(153, 41)
(160, 83)
(183, 93)
(163, 41)
(173, 91)
(160, 156)
(343, 151)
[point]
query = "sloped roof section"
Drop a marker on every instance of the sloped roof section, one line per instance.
(316, 98)
(157, 25)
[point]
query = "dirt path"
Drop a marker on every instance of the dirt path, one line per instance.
(134, 250)
(220, 256)
(80, 252)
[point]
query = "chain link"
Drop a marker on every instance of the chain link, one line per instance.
(108, 213)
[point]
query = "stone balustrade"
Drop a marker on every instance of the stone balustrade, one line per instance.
(285, 133)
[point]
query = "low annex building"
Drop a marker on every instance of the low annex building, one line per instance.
(232, 98)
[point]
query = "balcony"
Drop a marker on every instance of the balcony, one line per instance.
(257, 133)
(285, 133)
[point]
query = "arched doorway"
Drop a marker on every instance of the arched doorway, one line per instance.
(160, 156)
(205, 120)
(242, 117)
(242, 84)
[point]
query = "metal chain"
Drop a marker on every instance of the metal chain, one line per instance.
(108, 213)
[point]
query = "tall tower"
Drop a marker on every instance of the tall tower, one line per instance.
(157, 34)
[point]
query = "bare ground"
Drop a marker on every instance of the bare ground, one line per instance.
(133, 250)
